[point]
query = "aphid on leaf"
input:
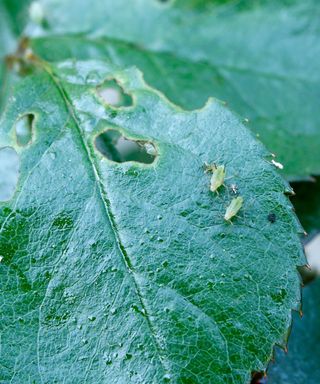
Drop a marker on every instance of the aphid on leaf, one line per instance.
(233, 208)
(217, 178)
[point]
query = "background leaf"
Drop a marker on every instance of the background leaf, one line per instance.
(262, 57)
(301, 364)
(13, 14)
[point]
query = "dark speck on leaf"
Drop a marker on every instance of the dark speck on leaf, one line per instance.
(272, 217)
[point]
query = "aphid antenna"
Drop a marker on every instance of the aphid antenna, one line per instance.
(214, 163)
(209, 167)
(228, 178)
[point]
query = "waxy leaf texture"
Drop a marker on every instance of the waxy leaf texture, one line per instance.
(123, 272)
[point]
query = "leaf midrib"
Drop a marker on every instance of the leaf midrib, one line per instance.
(110, 217)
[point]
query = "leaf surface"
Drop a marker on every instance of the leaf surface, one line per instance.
(6, 44)
(262, 57)
(12, 21)
(125, 272)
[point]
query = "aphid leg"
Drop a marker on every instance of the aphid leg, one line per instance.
(230, 221)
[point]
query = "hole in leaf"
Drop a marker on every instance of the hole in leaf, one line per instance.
(258, 378)
(23, 129)
(120, 149)
(113, 94)
(312, 269)
(9, 172)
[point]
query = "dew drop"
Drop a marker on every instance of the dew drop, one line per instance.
(92, 77)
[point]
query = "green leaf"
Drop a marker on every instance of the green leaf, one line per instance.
(301, 364)
(262, 57)
(6, 45)
(9, 172)
(16, 14)
(12, 19)
(123, 272)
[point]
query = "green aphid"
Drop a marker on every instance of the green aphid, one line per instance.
(217, 178)
(233, 208)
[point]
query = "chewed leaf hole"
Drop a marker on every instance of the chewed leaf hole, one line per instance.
(24, 128)
(9, 172)
(258, 378)
(113, 94)
(113, 145)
